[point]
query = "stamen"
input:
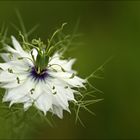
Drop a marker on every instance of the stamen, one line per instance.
(38, 75)
(57, 65)
(10, 70)
(53, 87)
(54, 93)
(66, 87)
(32, 90)
(72, 76)
(18, 80)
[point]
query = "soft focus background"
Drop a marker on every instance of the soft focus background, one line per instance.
(109, 29)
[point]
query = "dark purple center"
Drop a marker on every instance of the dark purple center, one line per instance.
(38, 76)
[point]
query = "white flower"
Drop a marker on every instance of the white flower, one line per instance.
(51, 90)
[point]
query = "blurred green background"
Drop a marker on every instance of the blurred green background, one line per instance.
(109, 29)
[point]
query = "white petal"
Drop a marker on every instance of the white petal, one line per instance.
(61, 98)
(4, 66)
(18, 52)
(5, 56)
(17, 65)
(12, 84)
(75, 81)
(56, 62)
(27, 105)
(5, 76)
(34, 53)
(70, 94)
(58, 99)
(68, 65)
(19, 100)
(37, 91)
(15, 94)
(16, 44)
(44, 102)
(58, 111)
(11, 50)
(66, 77)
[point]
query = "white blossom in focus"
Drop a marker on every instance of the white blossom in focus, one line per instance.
(51, 90)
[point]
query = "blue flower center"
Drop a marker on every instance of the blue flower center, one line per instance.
(41, 76)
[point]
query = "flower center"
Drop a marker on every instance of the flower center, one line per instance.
(39, 76)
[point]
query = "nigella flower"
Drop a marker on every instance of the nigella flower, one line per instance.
(38, 77)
